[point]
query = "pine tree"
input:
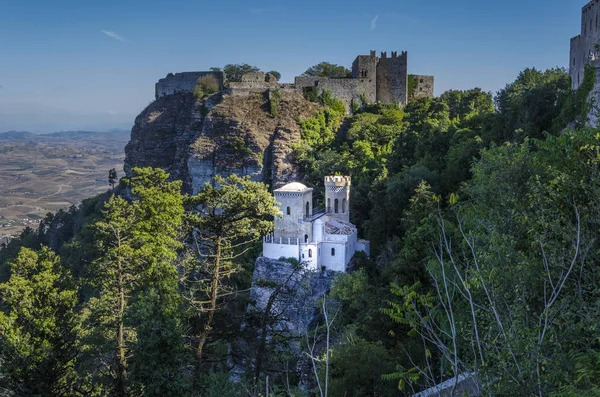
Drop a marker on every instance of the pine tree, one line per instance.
(230, 216)
(136, 310)
(40, 330)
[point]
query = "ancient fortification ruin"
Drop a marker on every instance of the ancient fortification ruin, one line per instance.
(584, 48)
(374, 79)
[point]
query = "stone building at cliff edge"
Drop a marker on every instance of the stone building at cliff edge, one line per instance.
(322, 238)
(584, 46)
(383, 79)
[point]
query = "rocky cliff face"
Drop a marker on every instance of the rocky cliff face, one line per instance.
(224, 134)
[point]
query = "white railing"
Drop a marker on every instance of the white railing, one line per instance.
(271, 239)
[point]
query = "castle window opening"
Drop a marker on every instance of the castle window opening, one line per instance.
(289, 211)
(333, 252)
(306, 238)
(421, 81)
(328, 205)
(336, 204)
(307, 209)
(343, 206)
(310, 253)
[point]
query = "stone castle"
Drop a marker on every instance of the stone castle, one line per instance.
(319, 238)
(583, 46)
(374, 79)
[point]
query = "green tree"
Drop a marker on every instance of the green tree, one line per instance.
(135, 312)
(275, 73)
(112, 177)
(234, 72)
(41, 332)
(228, 217)
(326, 69)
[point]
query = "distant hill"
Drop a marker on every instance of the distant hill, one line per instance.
(16, 135)
(78, 134)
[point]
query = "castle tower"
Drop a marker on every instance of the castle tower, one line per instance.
(296, 205)
(392, 78)
(337, 197)
(364, 67)
(583, 46)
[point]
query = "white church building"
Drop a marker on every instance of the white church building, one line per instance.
(320, 239)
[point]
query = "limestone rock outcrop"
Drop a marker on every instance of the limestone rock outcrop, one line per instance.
(223, 134)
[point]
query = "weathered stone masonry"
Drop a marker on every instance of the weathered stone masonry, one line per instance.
(583, 45)
(374, 79)
(184, 82)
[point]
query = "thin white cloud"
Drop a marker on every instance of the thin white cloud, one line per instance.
(374, 22)
(113, 35)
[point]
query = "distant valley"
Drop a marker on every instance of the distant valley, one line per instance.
(41, 173)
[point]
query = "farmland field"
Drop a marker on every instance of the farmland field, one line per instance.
(43, 173)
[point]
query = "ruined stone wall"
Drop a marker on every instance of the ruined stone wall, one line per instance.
(392, 78)
(346, 90)
(582, 46)
(183, 82)
(424, 88)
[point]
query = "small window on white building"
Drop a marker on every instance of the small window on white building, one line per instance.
(336, 205)
(333, 252)
(310, 253)
(307, 209)
(289, 211)
(343, 206)
(328, 205)
(306, 238)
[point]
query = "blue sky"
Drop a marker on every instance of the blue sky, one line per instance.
(92, 64)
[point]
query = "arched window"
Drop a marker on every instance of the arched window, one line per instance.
(310, 253)
(333, 252)
(336, 204)
(307, 209)
(328, 205)
(289, 211)
(343, 206)
(306, 238)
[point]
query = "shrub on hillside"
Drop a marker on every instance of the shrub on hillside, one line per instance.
(206, 86)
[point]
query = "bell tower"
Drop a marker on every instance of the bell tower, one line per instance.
(337, 197)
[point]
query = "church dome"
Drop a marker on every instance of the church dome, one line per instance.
(293, 187)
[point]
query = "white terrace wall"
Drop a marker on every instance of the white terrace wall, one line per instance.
(275, 248)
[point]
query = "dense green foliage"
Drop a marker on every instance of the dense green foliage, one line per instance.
(483, 217)
(507, 174)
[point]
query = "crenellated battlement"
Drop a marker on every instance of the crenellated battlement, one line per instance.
(590, 5)
(338, 180)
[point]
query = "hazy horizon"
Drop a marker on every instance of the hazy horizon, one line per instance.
(70, 65)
